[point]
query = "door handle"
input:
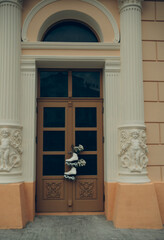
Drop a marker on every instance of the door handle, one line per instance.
(69, 203)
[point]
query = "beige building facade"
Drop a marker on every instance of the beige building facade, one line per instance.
(127, 185)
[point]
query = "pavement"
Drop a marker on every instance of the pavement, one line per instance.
(77, 228)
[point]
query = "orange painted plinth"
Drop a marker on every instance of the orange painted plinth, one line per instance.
(15, 210)
(110, 192)
(136, 206)
(159, 187)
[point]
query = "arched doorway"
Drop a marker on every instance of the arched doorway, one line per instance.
(70, 108)
(70, 56)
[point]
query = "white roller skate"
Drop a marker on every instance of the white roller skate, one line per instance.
(73, 159)
(70, 175)
(72, 172)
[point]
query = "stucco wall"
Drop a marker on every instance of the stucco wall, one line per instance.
(153, 68)
(153, 75)
(50, 9)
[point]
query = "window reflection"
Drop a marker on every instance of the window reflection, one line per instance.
(53, 84)
(85, 84)
(70, 31)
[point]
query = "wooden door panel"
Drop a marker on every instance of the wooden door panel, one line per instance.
(88, 187)
(54, 193)
(52, 190)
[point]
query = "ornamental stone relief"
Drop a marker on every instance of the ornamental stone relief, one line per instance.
(133, 149)
(10, 149)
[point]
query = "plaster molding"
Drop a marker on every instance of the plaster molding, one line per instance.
(31, 14)
(95, 3)
(132, 136)
(10, 148)
(112, 67)
(15, 2)
(125, 4)
(131, 85)
(28, 117)
(70, 46)
(111, 100)
(28, 105)
(10, 125)
(10, 48)
(72, 61)
(28, 65)
(70, 14)
(133, 149)
(109, 15)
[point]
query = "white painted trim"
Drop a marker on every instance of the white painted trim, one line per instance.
(31, 14)
(28, 118)
(95, 3)
(111, 67)
(18, 3)
(68, 58)
(111, 108)
(28, 65)
(12, 178)
(108, 14)
(11, 125)
(132, 126)
(71, 46)
(73, 61)
(70, 14)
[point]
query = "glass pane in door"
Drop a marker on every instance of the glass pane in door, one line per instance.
(88, 139)
(85, 117)
(85, 84)
(53, 165)
(91, 165)
(54, 141)
(53, 84)
(54, 117)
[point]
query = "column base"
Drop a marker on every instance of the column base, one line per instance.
(136, 206)
(14, 205)
(133, 177)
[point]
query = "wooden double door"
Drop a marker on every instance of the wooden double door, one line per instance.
(61, 124)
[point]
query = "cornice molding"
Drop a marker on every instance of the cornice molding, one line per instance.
(112, 66)
(70, 46)
(17, 2)
(28, 62)
(129, 3)
(28, 65)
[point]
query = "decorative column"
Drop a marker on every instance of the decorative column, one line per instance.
(28, 118)
(135, 205)
(10, 129)
(111, 99)
(133, 150)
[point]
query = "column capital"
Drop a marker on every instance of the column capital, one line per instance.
(123, 4)
(17, 2)
(112, 66)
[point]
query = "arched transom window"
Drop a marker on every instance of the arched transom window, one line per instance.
(70, 31)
